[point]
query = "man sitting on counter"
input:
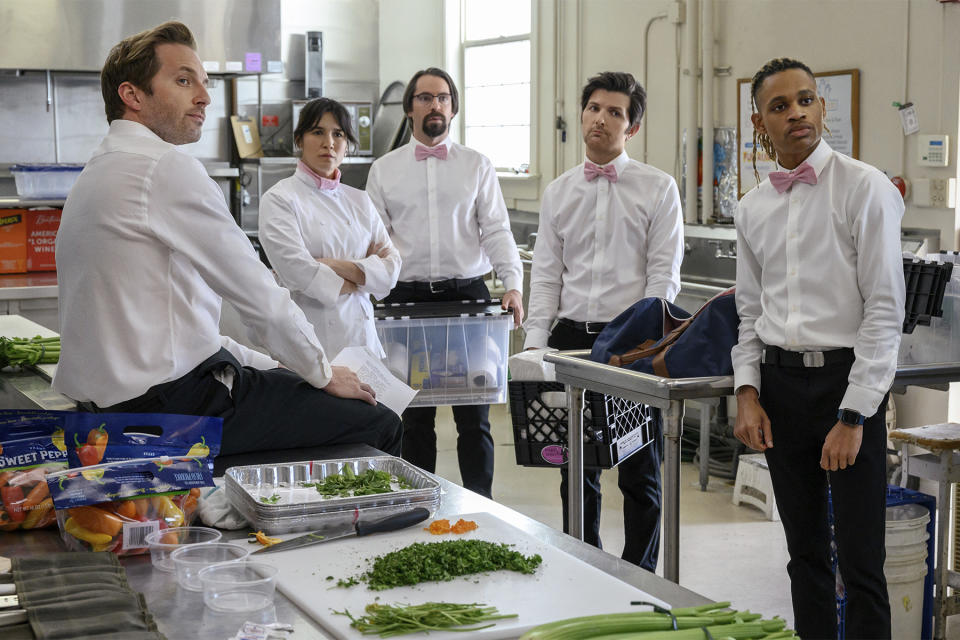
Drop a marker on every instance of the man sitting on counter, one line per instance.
(146, 251)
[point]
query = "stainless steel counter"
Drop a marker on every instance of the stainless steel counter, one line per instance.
(25, 286)
(181, 614)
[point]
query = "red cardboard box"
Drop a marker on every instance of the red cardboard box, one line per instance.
(27, 240)
(42, 227)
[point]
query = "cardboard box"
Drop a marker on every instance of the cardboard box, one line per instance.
(27, 240)
(13, 241)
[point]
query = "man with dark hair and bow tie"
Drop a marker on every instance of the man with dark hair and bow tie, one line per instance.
(611, 233)
(441, 203)
(820, 294)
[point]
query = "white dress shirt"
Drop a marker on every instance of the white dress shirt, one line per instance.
(819, 267)
(446, 217)
(146, 249)
(300, 222)
(602, 246)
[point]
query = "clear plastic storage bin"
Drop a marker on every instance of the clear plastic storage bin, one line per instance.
(45, 180)
(452, 352)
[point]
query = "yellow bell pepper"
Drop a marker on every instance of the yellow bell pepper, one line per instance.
(37, 513)
(78, 532)
(170, 512)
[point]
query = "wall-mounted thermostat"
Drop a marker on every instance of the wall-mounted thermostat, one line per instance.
(934, 151)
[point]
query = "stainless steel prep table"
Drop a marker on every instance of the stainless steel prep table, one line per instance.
(575, 369)
(181, 614)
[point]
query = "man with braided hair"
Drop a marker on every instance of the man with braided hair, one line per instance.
(815, 360)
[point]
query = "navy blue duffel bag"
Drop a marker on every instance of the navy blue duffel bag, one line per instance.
(655, 336)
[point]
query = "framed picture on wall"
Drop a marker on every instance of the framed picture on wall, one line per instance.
(841, 92)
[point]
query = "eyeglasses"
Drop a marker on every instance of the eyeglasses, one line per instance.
(426, 99)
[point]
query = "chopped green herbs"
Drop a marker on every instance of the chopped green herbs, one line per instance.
(347, 484)
(441, 561)
(348, 582)
(274, 499)
(395, 620)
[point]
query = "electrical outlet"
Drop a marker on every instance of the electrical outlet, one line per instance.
(934, 192)
(938, 192)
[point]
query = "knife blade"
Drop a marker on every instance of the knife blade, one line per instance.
(6, 602)
(335, 532)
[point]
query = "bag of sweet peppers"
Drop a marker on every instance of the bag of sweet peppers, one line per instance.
(27, 455)
(115, 506)
(22, 423)
(96, 438)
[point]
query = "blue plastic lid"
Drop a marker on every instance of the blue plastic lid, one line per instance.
(46, 167)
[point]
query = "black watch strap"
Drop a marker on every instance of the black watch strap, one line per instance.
(850, 417)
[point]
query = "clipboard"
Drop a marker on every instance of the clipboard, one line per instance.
(247, 136)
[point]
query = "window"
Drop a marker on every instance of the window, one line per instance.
(496, 73)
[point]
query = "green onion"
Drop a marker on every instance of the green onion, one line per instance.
(36, 350)
(394, 620)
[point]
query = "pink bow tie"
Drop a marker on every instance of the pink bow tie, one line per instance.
(783, 180)
(591, 172)
(439, 152)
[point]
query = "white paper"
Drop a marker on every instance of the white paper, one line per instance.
(368, 367)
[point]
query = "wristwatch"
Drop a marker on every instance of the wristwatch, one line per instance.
(850, 417)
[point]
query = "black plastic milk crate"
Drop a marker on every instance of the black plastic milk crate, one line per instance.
(613, 428)
(925, 285)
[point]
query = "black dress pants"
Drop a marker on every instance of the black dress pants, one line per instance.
(474, 442)
(269, 409)
(802, 405)
(638, 478)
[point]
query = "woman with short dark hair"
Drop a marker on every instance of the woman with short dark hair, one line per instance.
(325, 239)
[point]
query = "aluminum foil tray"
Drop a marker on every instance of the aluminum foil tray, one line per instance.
(302, 508)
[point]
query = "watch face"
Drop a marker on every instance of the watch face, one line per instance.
(850, 417)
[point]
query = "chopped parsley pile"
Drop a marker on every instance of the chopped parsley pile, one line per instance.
(348, 484)
(443, 561)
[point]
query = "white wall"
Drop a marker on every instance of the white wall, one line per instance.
(878, 37)
(906, 50)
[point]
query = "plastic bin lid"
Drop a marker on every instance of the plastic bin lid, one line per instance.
(453, 309)
(47, 167)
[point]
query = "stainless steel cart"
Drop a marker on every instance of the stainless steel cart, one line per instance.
(579, 373)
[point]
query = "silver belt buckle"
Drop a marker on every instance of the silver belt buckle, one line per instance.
(813, 359)
(590, 331)
(433, 282)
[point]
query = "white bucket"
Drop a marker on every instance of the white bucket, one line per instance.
(906, 524)
(906, 567)
(907, 554)
(905, 589)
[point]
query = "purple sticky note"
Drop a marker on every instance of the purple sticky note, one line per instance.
(252, 62)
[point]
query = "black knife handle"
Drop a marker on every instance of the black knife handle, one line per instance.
(392, 523)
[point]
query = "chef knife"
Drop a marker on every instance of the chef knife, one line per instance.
(10, 611)
(336, 531)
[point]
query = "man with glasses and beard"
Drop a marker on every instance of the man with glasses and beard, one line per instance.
(442, 205)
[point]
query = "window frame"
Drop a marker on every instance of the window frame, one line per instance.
(533, 166)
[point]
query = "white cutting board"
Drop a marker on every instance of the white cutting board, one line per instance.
(562, 587)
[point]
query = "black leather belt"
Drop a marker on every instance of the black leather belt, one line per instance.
(591, 328)
(810, 359)
(160, 391)
(453, 284)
